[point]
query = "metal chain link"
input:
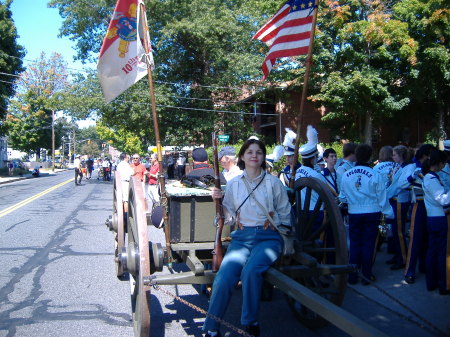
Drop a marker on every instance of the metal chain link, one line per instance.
(384, 292)
(203, 312)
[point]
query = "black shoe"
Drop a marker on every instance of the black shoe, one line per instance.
(253, 330)
(410, 279)
(444, 292)
(391, 261)
(397, 266)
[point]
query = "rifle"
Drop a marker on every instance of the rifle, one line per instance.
(217, 253)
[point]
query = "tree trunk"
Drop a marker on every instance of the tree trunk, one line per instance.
(368, 128)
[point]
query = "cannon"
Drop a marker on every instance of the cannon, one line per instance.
(314, 279)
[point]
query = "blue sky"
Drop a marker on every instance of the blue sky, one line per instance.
(38, 28)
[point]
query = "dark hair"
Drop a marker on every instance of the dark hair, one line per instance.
(385, 154)
(424, 150)
(436, 157)
(363, 153)
(244, 148)
(348, 149)
(327, 152)
(402, 151)
(123, 155)
(308, 162)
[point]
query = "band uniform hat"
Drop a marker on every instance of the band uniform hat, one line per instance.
(227, 151)
(447, 145)
(289, 142)
(320, 160)
(270, 160)
(199, 154)
(310, 150)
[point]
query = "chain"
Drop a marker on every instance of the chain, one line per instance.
(384, 292)
(203, 312)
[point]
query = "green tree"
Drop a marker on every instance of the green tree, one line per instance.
(363, 57)
(203, 52)
(29, 120)
(11, 55)
(429, 84)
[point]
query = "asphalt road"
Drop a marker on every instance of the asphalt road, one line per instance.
(58, 276)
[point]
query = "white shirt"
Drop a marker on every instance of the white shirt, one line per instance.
(125, 170)
(344, 166)
(384, 168)
(270, 193)
(308, 172)
(233, 172)
(434, 195)
(77, 163)
(365, 192)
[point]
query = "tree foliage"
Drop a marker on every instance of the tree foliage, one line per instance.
(11, 55)
(203, 52)
(29, 119)
(372, 60)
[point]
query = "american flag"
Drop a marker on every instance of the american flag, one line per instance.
(287, 33)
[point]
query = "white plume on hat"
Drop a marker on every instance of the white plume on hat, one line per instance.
(289, 142)
(277, 153)
(310, 148)
(253, 137)
(289, 137)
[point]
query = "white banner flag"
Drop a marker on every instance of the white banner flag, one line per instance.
(122, 60)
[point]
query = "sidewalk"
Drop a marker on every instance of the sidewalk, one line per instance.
(6, 180)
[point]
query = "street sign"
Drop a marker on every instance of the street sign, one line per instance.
(223, 138)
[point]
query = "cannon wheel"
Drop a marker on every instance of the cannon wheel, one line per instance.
(312, 243)
(119, 224)
(138, 259)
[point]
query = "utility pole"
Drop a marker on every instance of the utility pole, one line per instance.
(53, 140)
(74, 142)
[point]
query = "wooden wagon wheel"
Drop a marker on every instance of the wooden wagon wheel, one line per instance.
(138, 259)
(315, 249)
(118, 224)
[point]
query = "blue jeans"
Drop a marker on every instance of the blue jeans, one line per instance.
(251, 252)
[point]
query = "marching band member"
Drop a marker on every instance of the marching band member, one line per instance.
(289, 147)
(412, 179)
(400, 202)
(383, 167)
(364, 190)
(347, 162)
(309, 154)
(329, 172)
(444, 174)
(436, 197)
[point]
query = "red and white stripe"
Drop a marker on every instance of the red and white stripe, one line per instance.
(286, 34)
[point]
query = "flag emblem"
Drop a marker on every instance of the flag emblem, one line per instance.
(123, 60)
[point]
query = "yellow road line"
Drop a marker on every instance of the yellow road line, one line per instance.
(34, 197)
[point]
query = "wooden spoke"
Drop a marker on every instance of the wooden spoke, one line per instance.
(119, 224)
(138, 260)
(323, 241)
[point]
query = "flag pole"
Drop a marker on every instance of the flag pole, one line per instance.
(304, 93)
(161, 179)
